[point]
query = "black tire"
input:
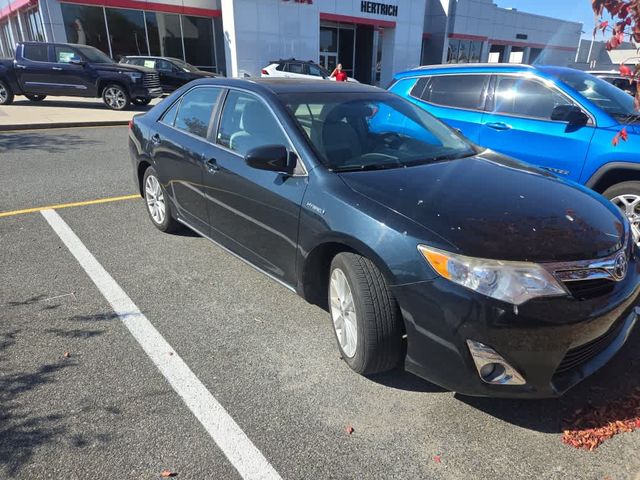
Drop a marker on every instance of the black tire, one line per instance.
(168, 224)
(632, 189)
(141, 101)
(624, 188)
(379, 345)
(6, 94)
(36, 98)
(115, 97)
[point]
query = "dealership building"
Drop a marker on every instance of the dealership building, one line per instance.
(371, 39)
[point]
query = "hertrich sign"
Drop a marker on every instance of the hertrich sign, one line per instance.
(379, 8)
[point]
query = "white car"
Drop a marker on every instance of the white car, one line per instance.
(293, 68)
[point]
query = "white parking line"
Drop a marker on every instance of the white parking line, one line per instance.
(235, 444)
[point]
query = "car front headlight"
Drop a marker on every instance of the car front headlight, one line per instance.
(134, 76)
(512, 282)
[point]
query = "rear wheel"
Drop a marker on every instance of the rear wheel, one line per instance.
(6, 94)
(626, 196)
(115, 97)
(366, 319)
(141, 101)
(158, 204)
(36, 98)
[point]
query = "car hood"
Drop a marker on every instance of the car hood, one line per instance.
(123, 67)
(202, 74)
(491, 206)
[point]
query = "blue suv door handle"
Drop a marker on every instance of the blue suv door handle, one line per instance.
(499, 126)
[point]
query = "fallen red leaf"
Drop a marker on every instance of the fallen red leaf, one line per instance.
(437, 458)
(349, 429)
(168, 473)
(588, 428)
(66, 354)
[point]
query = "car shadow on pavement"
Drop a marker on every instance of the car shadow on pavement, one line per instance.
(400, 379)
(88, 105)
(23, 428)
(42, 141)
(614, 381)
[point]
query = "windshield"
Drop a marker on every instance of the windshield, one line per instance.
(93, 55)
(184, 65)
(366, 131)
(609, 98)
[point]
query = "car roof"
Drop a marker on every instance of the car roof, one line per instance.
(290, 85)
(483, 68)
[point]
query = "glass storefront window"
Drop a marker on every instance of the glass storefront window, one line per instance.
(126, 32)
(5, 40)
(198, 41)
(346, 45)
(464, 51)
(32, 24)
(328, 39)
(85, 25)
(165, 34)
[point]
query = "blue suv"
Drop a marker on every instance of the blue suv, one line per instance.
(560, 119)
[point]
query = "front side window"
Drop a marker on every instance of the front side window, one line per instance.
(163, 65)
(65, 55)
(37, 53)
(524, 97)
(247, 123)
(93, 55)
(195, 110)
(317, 71)
(459, 91)
(367, 131)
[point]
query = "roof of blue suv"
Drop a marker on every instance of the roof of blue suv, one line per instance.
(482, 68)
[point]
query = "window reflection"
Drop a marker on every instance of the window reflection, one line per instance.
(126, 32)
(85, 25)
(165, 37)
(198, 41)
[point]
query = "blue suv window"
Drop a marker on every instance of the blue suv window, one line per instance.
(526, 98)
(458, 91)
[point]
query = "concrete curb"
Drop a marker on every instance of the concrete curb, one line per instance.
(41, 126)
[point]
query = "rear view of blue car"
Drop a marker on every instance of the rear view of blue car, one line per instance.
(558, 119)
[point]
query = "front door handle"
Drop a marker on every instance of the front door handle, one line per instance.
(499, 126)
(20, 66)
(212, 165)
(57, 68)
(155, 139)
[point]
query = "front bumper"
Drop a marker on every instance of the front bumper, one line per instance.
(554, 343)
(143, 92)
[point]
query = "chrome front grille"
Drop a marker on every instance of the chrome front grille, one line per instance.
(151, 80)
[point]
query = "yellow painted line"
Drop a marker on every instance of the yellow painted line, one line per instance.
(69, 205)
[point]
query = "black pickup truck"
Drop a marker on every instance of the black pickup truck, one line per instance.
(62, 69)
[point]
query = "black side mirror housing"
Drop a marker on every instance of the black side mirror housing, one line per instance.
(274, 158)
(569, 113)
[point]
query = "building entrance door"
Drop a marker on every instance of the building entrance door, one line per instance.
(329, 60)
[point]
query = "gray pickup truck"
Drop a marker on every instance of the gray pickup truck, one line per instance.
(61, 69)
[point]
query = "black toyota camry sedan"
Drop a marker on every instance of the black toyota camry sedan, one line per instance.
(473, 270)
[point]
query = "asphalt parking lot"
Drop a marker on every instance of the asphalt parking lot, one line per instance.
(263, 357)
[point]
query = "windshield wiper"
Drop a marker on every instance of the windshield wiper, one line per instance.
(632, 116)
(364, 168)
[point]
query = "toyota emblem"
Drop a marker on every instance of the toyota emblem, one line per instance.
(619, 270)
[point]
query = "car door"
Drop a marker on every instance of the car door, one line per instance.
(71, 78)
(171, 77)
(34, 70)
(458, 100)
(179, 148)
(519, 124)
(253, 212)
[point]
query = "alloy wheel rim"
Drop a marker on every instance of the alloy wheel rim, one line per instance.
(630, 206)
(115, 98)
(3, 94)
(343, 312)
(155, 199)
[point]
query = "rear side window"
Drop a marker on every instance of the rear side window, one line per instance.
(37, 53)
(418, 88)
(195, 110)
(169, 116)
(459, 91)
(295, 68)
(280, 67)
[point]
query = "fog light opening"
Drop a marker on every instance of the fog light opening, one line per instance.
(492, 372)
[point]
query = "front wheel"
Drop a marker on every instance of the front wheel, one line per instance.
(141, 101)
(366, 318)
(626, 196)
(6, 94)
(36, 98)
(115, 97)
(158, 204)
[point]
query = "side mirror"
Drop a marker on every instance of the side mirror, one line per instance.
(569, 113)
(274, 158)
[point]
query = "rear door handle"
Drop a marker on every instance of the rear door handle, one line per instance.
(212, 165)
(155, 139)
(499, 126)
(57, 68)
